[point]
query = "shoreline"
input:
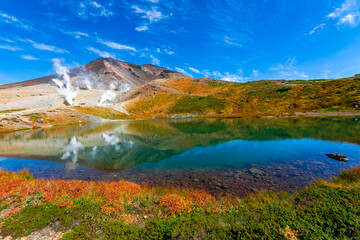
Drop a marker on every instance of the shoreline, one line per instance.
(78, 117)
(79, 209)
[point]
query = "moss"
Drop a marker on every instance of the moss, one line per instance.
(12, 110)
(197, 104)
(103, 112)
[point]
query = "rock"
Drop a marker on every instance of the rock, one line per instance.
(220, 186)
(55, 224)
(72, 115)
(40, 121)
(338, 157)
(255, 171)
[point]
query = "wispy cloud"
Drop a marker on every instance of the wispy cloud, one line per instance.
(351, 19)
(90, 9)
(181, 70)
(42, 46)
(152, 15)
(231, 42)
(116, 46)
(320, 26)
(154, 60)
(165, 51)
(194, 70)
(347, 13)
(345, 7)
(142, 28)
(6, 40)
(12, 20)
(76, 34)
(229, 22)
(11, 48)
(29, 57)
(288, 70)
(103, 54)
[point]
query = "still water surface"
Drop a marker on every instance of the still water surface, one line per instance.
(222, 156)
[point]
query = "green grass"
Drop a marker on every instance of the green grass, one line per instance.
(12, 110)
(103, 112)
(197, 104)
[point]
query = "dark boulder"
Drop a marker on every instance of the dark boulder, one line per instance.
(338, 157)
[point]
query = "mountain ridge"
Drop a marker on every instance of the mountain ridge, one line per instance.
(111, 70)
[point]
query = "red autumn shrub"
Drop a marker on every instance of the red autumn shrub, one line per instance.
(175, 203)
(202, 198)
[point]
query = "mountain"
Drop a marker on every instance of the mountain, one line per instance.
(112, 70)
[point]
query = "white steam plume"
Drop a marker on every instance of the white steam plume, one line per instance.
(63, 82)
(110, 94)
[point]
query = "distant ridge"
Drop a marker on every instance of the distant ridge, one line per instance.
(114, 70)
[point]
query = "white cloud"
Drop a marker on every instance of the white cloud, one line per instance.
(93, 9)
(7, 40)
(101, 53)
(28, 57)
(12, 20)
(153, 1)
(76, 34)
(233, 78)
(320, 26)
(45, 47)
(351, 18)
(155, 61)
(142, 28)
(168, 52)
(230, 41)
(152, 15)
(346, 6)
(288, 70)
(95, 4)
(11, 48)
(194, 70)
(116, 46)
(255, 73)
(347, 13)
(165, 51)
(180, 70)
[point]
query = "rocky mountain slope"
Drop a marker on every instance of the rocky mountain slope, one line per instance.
(111, 70)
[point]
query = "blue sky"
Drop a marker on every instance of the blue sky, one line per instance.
(236, 40)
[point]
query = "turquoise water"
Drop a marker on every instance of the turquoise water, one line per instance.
(223, 156)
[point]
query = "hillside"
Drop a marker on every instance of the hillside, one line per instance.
(199, 97)
(110, 69)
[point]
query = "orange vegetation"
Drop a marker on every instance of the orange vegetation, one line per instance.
(20, 187)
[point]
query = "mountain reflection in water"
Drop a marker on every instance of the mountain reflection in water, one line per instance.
(189, 152)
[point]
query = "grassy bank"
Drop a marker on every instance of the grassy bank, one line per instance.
(123, 210)
(259, 98)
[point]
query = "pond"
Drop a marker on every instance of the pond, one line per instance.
(221, 156)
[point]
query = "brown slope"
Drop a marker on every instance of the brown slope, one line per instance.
(112, 70)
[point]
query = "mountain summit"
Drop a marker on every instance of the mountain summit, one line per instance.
(112, 70)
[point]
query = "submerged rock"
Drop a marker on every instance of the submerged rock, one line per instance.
(338, 157)
(255, 171)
